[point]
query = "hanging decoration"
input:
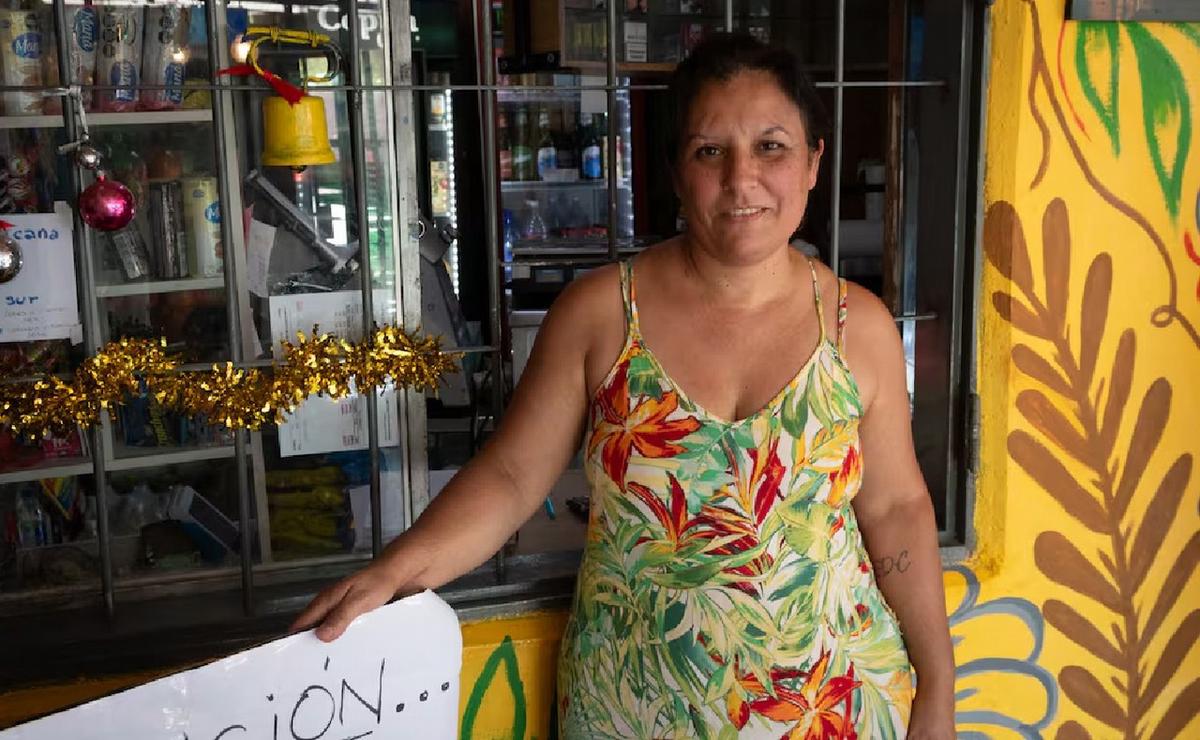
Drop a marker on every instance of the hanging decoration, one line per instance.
(10, 254)
(321, 364)
(105, 205)
(294, 131)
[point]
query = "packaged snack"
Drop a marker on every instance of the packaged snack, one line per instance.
(84, 22)
(21, 60)
(119, 57)
(164, 55)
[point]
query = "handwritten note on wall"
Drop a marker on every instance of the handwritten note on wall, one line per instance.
(319, 424)
(394, 673)
(40, 302)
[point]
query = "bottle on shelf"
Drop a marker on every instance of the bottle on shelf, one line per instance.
(547, 153)
(591, 164)
(522, 151)
(504, 147)
(568, 155)
(510, 238)
(535, 225)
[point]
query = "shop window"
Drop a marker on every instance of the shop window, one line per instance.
(462, 199)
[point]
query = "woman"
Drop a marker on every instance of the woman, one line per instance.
(745, 471)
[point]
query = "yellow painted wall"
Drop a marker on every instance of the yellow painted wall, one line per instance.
(1079, 613)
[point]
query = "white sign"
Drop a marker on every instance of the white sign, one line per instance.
(259, 242)
(391, 489)
(40, 302)
(394, 673)
(635, 41)
(322, 425)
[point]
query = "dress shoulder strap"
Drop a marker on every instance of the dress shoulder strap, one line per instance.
(629, 298)
(841, 317)
(812, 268)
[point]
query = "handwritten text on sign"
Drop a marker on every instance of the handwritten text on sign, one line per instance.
(393, 674)
(40, 302)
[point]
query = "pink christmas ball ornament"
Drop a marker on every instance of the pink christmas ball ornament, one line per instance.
(106, 205)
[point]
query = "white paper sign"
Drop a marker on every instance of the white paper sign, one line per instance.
(394, 673)
(40, 302)
(635, 41)
(259, 242)
(592, 101)
(322, 425)
(391, 489)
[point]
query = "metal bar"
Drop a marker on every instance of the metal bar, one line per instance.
(358, 154)
(215, 11)
(962, 235)
(611, 144)
(929, 316)
(839, 92)
(86, 281)
(481, 21)
(729, 16)
(235, 87)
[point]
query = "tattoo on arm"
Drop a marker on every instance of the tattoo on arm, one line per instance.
(886, 565)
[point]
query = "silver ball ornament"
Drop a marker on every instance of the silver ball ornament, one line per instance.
(87, 156)
(10, 258)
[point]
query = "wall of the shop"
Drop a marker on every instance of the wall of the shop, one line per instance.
(1077, 614)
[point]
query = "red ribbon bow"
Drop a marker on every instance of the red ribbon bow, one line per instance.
(282, 87)
(6, 225)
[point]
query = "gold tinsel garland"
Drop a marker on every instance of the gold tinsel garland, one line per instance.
(237, 398)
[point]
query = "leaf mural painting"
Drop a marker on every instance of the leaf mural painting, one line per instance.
(1074, 427)
(1166, 112)
(1097, 62)
(1167, 118)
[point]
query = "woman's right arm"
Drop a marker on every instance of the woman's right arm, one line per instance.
(494, 493)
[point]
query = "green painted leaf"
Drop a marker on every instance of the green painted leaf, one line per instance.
(1166, 112)
(1098, 48)
(1190, 30)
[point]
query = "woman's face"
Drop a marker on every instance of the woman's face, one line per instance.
(745, 168)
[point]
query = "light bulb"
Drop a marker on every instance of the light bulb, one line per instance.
(239, 50)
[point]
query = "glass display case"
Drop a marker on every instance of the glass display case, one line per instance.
(226, 257)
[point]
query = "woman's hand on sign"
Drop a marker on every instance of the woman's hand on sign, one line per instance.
(332, 611)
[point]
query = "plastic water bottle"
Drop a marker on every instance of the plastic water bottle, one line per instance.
(510, 237)
(535, 225)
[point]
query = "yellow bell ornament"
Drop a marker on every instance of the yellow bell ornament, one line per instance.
(294, 130)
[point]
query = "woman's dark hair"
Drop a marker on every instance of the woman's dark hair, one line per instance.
(721, 56)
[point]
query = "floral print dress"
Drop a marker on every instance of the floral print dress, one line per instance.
(725, 590)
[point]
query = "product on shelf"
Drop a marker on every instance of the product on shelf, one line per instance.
(119, 57)
(167, 237)
(547, 153)
(504, 147)
(18, 177)
(84, 22)
(591, 162)
(310, 512)
(164, 56)
(145, 423)
(21, 60)
(523, 164)
(130, 251)
(17, 454)
(202, 219)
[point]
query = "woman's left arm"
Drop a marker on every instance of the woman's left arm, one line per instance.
(895, 513)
